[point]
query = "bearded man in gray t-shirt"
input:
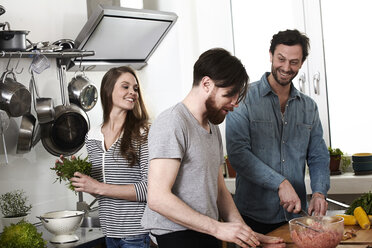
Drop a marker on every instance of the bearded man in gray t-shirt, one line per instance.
(186, 191)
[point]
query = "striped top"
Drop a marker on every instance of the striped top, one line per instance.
(119, 218)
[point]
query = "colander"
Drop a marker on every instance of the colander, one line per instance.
(63, 225)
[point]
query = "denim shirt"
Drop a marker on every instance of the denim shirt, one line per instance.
(265, 147)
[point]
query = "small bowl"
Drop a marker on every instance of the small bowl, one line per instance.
(362, 166)
(331, 230)
(362, 157)
(63, 225)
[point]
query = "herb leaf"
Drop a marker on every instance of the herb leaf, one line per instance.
(68, 167)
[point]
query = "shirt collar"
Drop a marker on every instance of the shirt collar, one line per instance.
(266, 88)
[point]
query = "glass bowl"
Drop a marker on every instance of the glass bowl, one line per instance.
(317, 231)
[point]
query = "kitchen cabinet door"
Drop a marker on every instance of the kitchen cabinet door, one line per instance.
(316, 70)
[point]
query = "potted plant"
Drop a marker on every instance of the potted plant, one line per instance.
(335, 159)
(346, 164)
(14, 207)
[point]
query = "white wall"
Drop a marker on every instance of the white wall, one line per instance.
(165, 80)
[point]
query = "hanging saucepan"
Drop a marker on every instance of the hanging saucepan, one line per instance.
(44, 106)
(26, 129)
(12, 40)
(15, 98)
(82, 92)
(66, 134)
(37, 135)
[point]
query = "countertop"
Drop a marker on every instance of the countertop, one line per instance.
(88, 237)
(363, 237)
(283, 232)
(346, 183)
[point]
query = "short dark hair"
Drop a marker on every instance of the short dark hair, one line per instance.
(291, 38)
(224, 69)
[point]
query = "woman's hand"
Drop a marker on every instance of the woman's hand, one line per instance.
(84, 183)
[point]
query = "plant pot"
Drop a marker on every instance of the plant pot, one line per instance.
(230, 170)
(7, 221)
(334, 163)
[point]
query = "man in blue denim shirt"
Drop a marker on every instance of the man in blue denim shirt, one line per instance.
(270, 138)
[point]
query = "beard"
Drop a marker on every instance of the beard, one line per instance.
(275, 73)
(215, 116)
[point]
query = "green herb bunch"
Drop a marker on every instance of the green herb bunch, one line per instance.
(66, 169)
(13, 204)
(23, 234)
(365, 201)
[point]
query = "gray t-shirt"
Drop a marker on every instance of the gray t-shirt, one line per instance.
(177, 134)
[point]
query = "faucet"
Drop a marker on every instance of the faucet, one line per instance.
(81, 205)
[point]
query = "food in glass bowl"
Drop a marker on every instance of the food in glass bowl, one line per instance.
(317, 231)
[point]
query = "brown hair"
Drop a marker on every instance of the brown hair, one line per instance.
(136, 123)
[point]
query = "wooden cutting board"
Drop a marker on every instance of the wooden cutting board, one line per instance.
(362, 236)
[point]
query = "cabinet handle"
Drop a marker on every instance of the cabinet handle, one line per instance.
(316, 79)
(301, 82)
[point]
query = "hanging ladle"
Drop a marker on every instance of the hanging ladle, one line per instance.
(4, 119)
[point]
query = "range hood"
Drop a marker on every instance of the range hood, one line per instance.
(121, 36)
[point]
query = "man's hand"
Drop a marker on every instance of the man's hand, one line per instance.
(270, 241)
(288, 197)
(318, 205)
(238, 233)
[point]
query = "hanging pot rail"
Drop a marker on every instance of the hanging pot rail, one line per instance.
(60, 54)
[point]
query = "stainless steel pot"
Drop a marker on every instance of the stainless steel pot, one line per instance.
(26, 133)
(65, 43)
(44, 106)
(66, 134)
(26, 130)
(13, 40)
(15, 98)
(82, 92)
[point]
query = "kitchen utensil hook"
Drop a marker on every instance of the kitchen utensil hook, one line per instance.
(16, 67)
(81, 60)
(80, 69)
(7, 65)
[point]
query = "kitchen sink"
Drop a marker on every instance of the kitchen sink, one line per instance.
(90, 221)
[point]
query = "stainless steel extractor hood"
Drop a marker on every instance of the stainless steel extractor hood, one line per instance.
(122, 36)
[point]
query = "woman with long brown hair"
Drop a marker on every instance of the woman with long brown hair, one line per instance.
(118, 152)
